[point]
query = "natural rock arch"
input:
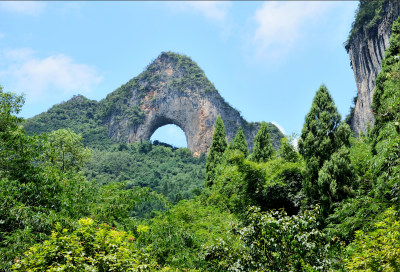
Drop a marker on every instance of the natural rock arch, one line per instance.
(173, 90)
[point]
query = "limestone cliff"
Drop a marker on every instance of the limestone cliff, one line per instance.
(366, 47)
(173, 90)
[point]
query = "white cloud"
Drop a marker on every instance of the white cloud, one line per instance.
(42, 77)
(1, 35)
(18, 54)
(33, 8)
(280, 24)
(279, 127)
(213, 10)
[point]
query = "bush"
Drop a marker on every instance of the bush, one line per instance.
(91, 247)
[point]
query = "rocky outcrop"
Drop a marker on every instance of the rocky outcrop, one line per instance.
(366, 54)
(173, 90)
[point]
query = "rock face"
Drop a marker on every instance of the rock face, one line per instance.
(173, 90)
(366, 54)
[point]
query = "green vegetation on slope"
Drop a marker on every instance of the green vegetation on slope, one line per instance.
(234, 224)
(368, 17)
(78, 114)
(191, 75)
(173, 173)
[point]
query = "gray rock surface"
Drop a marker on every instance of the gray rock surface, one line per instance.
(174, 90)
(366, 55)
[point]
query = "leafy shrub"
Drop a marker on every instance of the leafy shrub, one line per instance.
(377, 250)
(274, 241)
(90, 247)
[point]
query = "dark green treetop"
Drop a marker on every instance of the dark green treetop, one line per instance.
(320, 138)
(239, 142)
(263, 150)
(217, 149)
(335, 179)
(287, 151)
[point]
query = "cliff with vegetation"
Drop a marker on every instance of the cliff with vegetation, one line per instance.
(171, 90)
(329, 205)
(368, 40)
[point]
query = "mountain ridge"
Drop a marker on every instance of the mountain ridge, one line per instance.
(172, 89)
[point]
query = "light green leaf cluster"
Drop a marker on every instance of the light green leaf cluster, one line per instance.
(65, 150)
(274, 241)
(377, 250)
(90, 247)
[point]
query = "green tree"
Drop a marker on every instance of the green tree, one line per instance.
(287, 151)
(217, 149)
(239, 142)
(241, 183)
(335, 179)
(29, 190)
(10, 104)
(274, 241)
(91, 247)
(317, 140)
(179, 236)
(263, 150)
(66, 151)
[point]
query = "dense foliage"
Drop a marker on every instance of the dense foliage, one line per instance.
(377, 250)
(239, 143)
(78, 114)
(263, 150)
(323, 143)
(386, 130)
(174, 173)
(217, 149)
(90, 247)
(368, 17)
(179, 237)
(274, 241)
(191, 75)
(254, 215)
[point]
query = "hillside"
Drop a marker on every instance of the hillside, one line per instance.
(171, 90)
(79, 114)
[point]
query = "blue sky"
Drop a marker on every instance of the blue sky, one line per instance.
(267, 59)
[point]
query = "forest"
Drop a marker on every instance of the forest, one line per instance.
(331, 203)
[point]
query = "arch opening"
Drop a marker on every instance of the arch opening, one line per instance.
(170, 134)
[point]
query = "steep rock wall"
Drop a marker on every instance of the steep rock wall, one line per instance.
(174, 90)
(366, 54)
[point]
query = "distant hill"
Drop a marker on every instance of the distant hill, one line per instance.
(171, 90)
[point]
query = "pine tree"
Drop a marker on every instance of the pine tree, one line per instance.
(287, 151)
(263, 150)
(217, 149)
(335, 179)
(240, 143)
(320, 138)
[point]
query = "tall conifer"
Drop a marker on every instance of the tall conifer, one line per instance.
(319, 139)
(217, 149)
(263, 150)
(240, 142)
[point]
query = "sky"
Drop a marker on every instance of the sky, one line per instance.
(267, 59)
